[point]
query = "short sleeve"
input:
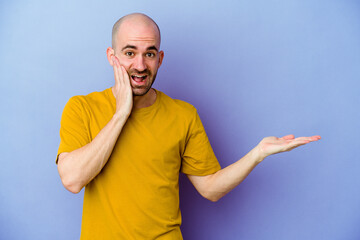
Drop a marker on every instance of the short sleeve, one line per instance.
(198, 158)
(73, 133)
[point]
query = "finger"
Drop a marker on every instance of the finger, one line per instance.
(126, 78)
(296, 144)
(311, 139)
(288, 137)
(301, 142)
(120, 70)
(317, 137)
(116, 72)
(121, 75)
(116, 60)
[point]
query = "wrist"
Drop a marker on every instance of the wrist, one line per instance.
(120, 117)
(258, 154)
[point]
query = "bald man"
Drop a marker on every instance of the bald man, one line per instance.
(128, 143)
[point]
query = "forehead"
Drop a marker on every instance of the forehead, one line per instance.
(138, 34)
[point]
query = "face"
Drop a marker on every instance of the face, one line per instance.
(137, 48)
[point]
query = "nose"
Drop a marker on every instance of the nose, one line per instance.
(139, 63)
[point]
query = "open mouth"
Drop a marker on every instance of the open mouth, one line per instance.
(138, 78)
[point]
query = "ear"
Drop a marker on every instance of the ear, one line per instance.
(110, 53)
(161, 57)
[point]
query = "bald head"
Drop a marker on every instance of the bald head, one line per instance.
(134, 20)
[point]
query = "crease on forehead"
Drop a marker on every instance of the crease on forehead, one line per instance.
(139, 42)
(145, 39)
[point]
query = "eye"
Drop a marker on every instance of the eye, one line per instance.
(151, 55)
(129, 54)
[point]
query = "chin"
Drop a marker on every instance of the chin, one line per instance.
(140, 91)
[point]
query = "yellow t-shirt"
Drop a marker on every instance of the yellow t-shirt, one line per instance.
(136, 194)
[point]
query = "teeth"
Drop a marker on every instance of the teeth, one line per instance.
(139, 76)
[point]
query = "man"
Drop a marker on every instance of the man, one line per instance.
(128, 144)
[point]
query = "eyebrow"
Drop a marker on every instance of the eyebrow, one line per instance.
(134, 47)
(152, 48)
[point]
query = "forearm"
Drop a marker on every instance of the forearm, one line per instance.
(80, 166)
(226, 179)
(216, 185)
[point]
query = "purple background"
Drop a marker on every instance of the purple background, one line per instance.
(252, 68)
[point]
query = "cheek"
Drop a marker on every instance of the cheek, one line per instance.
(154, 66)
(124, 61)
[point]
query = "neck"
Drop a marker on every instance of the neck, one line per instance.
(146, 100)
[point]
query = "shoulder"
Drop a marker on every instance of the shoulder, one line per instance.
(96, 97)
(177, 105)
(89, 100)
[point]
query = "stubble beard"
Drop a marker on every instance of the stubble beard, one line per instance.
(141, 91)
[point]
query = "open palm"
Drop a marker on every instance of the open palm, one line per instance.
(273, 145)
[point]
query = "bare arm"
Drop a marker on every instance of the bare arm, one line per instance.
(79, 167)
(217, 185)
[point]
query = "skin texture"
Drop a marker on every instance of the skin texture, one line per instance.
(136, 58)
